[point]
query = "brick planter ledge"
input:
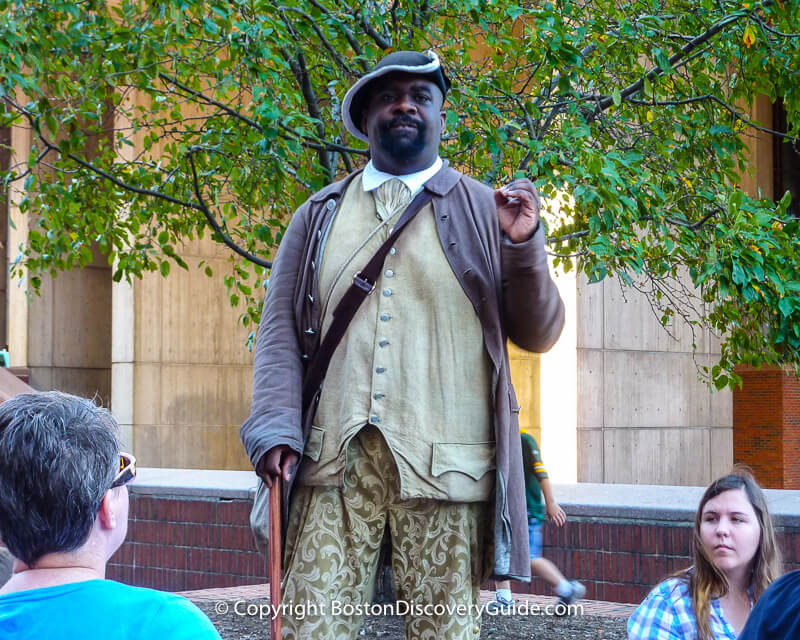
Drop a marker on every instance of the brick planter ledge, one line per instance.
(189, 530)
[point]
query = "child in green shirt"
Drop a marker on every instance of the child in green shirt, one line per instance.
(541, 506)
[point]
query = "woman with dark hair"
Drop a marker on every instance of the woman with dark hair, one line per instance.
(735, 559)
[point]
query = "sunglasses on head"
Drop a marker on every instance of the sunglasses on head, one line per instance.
(127, 470)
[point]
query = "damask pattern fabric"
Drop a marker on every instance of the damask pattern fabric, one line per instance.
(333, 542)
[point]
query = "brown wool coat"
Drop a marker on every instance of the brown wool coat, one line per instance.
(509, 286)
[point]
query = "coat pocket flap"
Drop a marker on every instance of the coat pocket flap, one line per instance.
(313, 448)
(474, 458)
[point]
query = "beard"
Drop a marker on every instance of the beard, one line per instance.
(402, 145)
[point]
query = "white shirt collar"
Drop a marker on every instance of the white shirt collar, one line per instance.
(372, 178)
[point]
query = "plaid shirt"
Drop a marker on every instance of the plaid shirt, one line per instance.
(667, 614)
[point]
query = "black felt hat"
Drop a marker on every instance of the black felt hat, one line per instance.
(426, 65)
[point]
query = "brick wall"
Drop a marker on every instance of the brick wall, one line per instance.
(766, 425)
(183, 543)
(621, 560)
(180, 544)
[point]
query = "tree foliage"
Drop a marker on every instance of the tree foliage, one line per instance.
(156, 121)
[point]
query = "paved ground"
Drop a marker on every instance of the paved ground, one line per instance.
(261, 592)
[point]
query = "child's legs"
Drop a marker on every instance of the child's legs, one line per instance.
(541, 567)
(547, 571)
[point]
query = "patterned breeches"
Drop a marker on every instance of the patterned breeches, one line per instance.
(333, 543)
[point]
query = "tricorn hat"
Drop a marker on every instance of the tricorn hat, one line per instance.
(422, 64)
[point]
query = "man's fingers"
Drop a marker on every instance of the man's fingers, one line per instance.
(280, 460)
(261, 470)
(520, 194)
(289, 465)
(521, 182)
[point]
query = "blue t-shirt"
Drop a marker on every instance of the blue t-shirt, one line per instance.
(101, 609)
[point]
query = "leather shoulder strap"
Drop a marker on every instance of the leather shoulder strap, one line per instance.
(363, 285)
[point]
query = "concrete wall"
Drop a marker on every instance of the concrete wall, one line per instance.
(63, 335)
(182, 372)
(643, 415)
(69, 332)
(5, 161)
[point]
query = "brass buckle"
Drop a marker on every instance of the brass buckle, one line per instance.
(363, 284)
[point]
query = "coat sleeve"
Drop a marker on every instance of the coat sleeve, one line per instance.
(532, 308)
(276, 411)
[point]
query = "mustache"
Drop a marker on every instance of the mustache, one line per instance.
(404, 120)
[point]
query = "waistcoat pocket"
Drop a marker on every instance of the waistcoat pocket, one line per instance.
(313, 448)
(473, 459)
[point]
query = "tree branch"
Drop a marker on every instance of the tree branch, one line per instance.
(381, 41)
(326, 145)
(29, 170)
(606, 101)
(693, 226)
(722, 103)
(772, 30)
(197, 94)
(297, 63)
(348, 34)
(325, 42)
(569, 236)
(213, 221)
(201, 207)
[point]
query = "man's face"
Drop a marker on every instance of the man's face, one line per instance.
(403, 121)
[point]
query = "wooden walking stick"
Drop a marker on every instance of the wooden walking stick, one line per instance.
(275, 557)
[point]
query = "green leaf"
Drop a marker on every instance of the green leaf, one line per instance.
(51, 122)
(597, 273)
(514, 12)
(210, 26)
(661, 60)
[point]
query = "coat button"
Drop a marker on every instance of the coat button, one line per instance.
(331, 204)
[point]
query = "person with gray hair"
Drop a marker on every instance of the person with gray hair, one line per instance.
(63, 514)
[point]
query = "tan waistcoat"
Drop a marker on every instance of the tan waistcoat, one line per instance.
(409, 364)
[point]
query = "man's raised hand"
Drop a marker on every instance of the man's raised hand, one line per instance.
(518, 205)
